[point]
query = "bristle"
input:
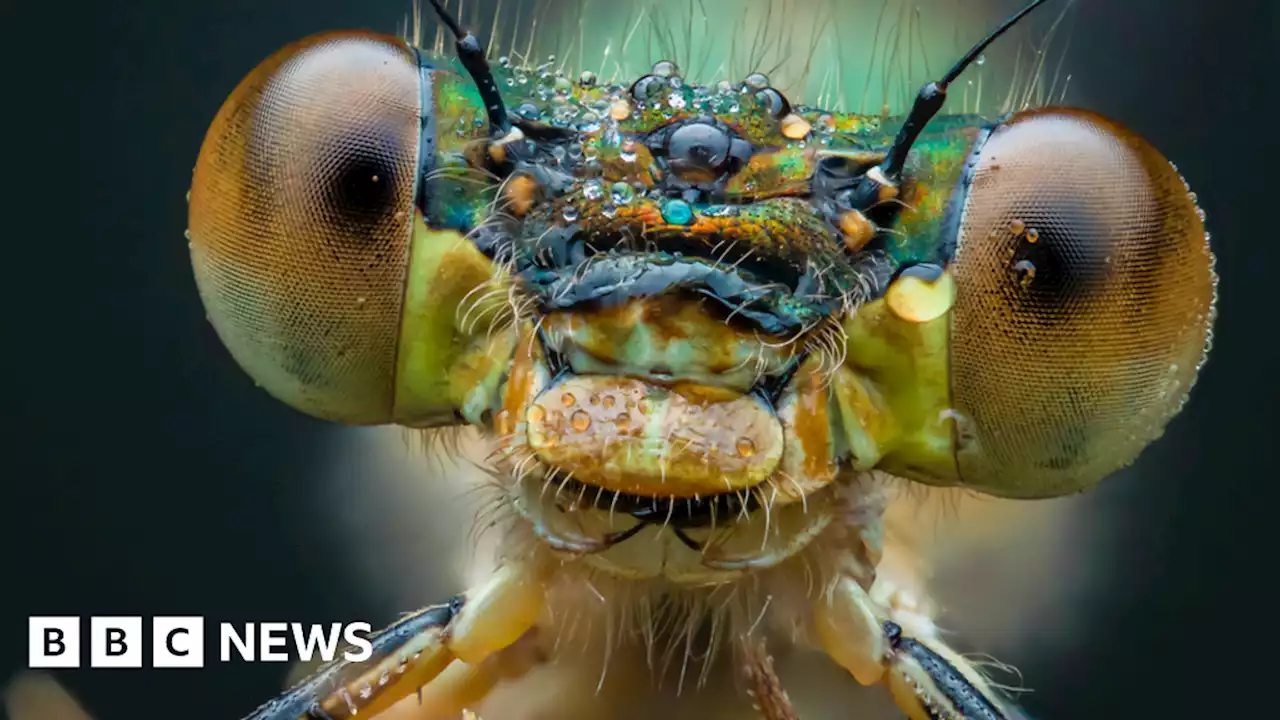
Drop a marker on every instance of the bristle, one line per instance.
(817, 52)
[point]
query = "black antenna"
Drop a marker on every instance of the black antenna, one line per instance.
(472, 53)
(934, 95)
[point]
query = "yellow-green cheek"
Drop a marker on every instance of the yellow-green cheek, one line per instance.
(448, 312)
(894, 392)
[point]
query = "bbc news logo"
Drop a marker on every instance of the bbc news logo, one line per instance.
(178, 642)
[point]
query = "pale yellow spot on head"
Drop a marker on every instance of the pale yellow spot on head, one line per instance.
(914, 299)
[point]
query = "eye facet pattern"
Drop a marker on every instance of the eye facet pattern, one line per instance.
(1085, 292)
(300, 219)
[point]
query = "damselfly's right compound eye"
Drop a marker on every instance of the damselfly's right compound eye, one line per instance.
(301, 212)
(1084, 297)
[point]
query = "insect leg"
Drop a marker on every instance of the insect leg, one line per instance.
(450, 655)
(928, 680)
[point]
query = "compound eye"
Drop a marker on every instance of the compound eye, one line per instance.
(1085, 294)
(300, 219)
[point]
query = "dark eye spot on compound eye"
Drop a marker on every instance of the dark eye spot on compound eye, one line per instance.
(361, 192)
(1066, 266)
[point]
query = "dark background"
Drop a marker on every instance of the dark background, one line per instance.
(142, 473)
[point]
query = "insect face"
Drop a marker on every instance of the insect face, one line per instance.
(698, 307)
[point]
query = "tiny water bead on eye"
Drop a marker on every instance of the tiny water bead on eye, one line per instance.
(677, 212)
(1024, 273)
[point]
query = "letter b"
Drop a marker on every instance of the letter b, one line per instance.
(53, 642)
(115, 642)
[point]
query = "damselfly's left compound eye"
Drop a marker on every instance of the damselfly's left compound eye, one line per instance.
(1084, 295)
(301, 214)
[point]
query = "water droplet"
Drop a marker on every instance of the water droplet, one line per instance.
(537, 414)
(982, 60)
(643, 407)
(628, 151)
(648, 88)
(568, 400)
(757, 81)
(795, 127)
(608, 210)
(1033, 236)
(581, 421)
(565, 114)
(623, 421)
(587, 79)
(504, 61)
(609, 401)
(620, 110)
(593, 190)
(774, 102)
(1024, 271)
(677, 212)
(1017, 227)
(745, 447)
(570, 213)
(676, 100)
(621, 193)
(665, 68)
(724, 87)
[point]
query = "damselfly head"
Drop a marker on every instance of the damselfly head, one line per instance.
(664, 294)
